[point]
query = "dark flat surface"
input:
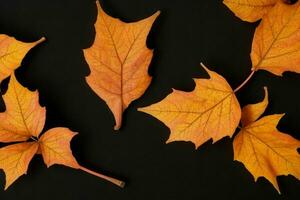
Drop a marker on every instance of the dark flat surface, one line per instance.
(187, 33)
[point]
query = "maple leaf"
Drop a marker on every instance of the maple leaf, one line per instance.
(276, 43)
(14, 160)
(23, 122)
(210, 111)
(12, 53)
(119, 61)
(24, 117)
(265, 151)
(55, 147)
(250, 10)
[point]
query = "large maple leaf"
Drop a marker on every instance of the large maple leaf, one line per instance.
(265, 151)
(22, 123)
(276, 43)
(119, 61)
(211, 111)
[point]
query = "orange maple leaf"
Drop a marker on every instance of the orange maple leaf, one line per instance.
(211, 111)
(119, 61)
(12, 53)
(276, 43)
(250, 10)
(265, 151)
(23, 122)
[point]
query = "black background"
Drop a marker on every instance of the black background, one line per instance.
(187, 33)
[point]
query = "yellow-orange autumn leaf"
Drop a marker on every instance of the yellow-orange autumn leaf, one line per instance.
(265, 151)
(23, 122)
(119, 61)
(24, 117)
(14, 160)
(12, 53)
(276, 44)
(211, 111)
(250, 10)
(55, 147)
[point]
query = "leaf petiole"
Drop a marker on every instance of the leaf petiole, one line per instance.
(117, 182)
(245, 81)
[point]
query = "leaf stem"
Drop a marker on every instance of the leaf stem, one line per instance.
(117, 182)
(245, 81)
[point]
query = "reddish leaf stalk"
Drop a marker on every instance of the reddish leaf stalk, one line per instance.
(245, 81)
(117, 182)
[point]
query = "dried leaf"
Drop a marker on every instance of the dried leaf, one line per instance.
(250, 10)
(23, 121)
(119, 61)
(265, 151)
(12, 53)
(55, 147)
(210, 111)
(24, 117)
(14, 160)
(276, 44)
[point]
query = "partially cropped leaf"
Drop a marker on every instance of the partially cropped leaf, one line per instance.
(14, 160)
(119, 61)
(276, 44)
(250, 10)
(12, 53)
(252, 112)
(24, 117)
(211, 111)
(23, 122)
(265, 151)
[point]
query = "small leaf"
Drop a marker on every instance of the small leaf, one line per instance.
(250, 10)
(55, 147)
(12, 53)
(119, 61)
(252, 112)
(210, 111)
(276, 43)
(265, 151)
(14, 160)
(24, 117)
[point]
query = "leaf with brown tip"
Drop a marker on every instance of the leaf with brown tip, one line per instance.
(250, 10)
(12, 53)
(119, 61)
(14, 160)
(55, 147)
(276, 43)
(211, 111)
(24, 117)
